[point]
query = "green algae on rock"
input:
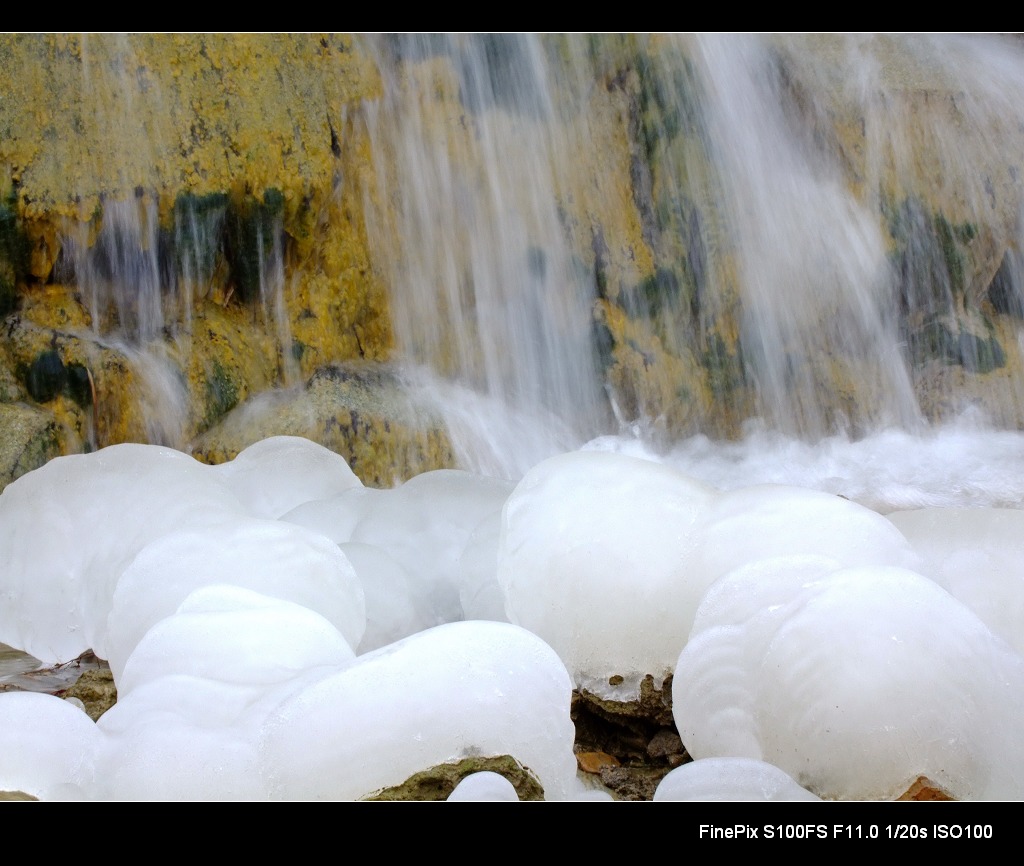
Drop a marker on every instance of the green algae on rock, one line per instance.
(437, 783)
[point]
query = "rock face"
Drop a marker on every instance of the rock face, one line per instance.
(29, 440)
(162, 193)
(361, 411)
(96, 690)
(706, 229)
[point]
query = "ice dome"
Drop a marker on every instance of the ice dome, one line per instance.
(594, 557)
(268, 556)
(740, 780)
(854, 681)
(454, 691)
(69, 528)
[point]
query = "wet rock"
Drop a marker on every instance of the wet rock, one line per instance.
(630, 745)
(96, 690)
(437, 783)
(28, 438)
(667, 745)
(46, 376)
(633, 783)
(594, 762)
(361, 411)
(16, 795)
(924, 790)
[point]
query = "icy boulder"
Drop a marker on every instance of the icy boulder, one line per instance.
(769, 520)
(68, 529)
(454, 691)
(594, 557)
(484, 787)
(607, 557)
(978, 555)
(425, 525)
(279, 473)
(266, 556)
(197, 688)
(854, 681)
(740, 780)
(396, 604)
(47, 746)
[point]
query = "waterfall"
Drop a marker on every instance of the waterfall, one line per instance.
(826, 227)
(556, 237)
(151, 247)
(485, 286)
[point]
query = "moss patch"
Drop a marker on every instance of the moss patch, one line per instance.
(437, 783)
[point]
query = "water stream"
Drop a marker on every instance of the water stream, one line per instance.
(827, 216)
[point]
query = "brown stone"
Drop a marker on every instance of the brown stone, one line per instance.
(924, 790)
(96, 690)
(592, 762)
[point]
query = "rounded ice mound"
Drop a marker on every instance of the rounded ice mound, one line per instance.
(269, 557)
(47, 746)
(337, 517)
(770, 520)
(68, 529)
(276, 474)
(855, 682)
(978, 555)
(182, 738)
(737, 780)
(233, 635)
(426, 523)
(479, 592)
(197, 689)
(396, 605)
(484, 786)
(457, 690)
(594, 557)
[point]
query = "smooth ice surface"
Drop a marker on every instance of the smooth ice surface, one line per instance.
(479, 590)
(484, 786)
(594, 558)
(721, 780)
(978, 555)
(47, 745)
(462, 689)
(234, 635)
(198, 686)
(68, 529)
(425, 525)
(397, 605)
(337, 516)
(765, 521)
(279, 473)
(183, 738)
(853, 681)
(268, 556)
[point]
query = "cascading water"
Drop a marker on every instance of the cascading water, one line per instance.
(576, 235)
(484, 284)
(813, 270)
(813, 209)
(139, 266)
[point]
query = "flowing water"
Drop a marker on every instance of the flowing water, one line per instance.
(832, 222)
(485, 288)
(659, 235)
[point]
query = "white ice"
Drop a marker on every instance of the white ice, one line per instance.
(321, 654)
